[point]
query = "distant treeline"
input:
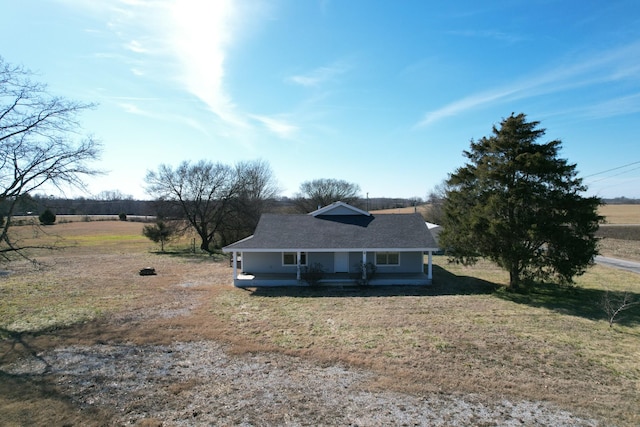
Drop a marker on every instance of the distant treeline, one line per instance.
(87, 206)
(28, 205)
(622, 201)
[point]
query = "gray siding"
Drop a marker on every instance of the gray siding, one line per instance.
(341, 210)
(410, 262)
(265, 262)
(324, 258)
(271, 262)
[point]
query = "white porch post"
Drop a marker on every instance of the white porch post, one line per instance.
(364, 265)
(298, 266)
(234, 258)
(429, 267)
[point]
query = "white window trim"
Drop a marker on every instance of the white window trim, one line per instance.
(387, 265)
(303, 256)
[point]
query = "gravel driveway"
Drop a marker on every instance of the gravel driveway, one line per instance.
(199, 383)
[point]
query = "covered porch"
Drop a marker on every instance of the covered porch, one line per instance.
(329, 279)
(422, 274)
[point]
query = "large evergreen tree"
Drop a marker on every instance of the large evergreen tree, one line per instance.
(518, 204)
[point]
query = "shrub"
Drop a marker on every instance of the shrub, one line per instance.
(312, 274)
(122, 216)
(47, 217)
(161, 232)
(366, 272)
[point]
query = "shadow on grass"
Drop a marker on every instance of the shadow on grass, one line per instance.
(33, 399)
(575, 301)
(20, 391)
(194, 256)
(16, 344)
(444, 283)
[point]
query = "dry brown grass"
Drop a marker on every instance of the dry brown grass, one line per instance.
(614, 214)
(462, 335)
(421, 209)
(622, 249)
(621, 214)
(454, 340)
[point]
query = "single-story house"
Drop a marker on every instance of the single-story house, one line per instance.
(344, 242)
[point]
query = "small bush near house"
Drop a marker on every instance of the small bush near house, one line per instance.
(369, 270)
(313, 273)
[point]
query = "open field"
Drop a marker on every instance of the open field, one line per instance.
(621, 214)
(421, 209)
(620, 234)
(614, 214)
(87, 341)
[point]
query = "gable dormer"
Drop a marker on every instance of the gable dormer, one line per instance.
(339, 208)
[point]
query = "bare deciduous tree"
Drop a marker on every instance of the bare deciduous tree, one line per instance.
(38, 145)
(323, 192)
(201, 191)
(212, 196)
(435, 199)
(257, 191)
(614, 303)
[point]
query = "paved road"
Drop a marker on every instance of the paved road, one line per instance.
(619, 263)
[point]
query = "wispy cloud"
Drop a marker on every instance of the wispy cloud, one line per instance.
(178, 42)
(622, 105)
(136, 46)
(200, 33)
(133, 109)
(278, 126)
(489, 34)
(600, 68)
(129, 106)
(320, 75)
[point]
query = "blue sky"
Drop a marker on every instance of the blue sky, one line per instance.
(384, 94)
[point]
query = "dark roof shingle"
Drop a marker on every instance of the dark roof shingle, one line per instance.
(306, 232)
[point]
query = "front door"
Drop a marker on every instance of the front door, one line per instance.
(341, 262)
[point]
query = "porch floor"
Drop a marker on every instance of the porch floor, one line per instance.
(245, 280)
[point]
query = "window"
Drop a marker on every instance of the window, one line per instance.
(291, 258)
(387, 258)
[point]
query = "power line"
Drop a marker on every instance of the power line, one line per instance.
(611, 176)
(612, 169)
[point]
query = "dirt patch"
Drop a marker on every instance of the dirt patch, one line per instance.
(189, 383)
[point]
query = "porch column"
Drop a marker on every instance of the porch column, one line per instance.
(364, 265)
(429, 267)
(234, 258)
(298, 266)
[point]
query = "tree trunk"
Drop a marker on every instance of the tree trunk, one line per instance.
(514, 278)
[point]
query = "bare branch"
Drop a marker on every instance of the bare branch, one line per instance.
(37, 145)
(614, 303)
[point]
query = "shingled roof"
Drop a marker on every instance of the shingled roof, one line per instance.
(284, 232)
